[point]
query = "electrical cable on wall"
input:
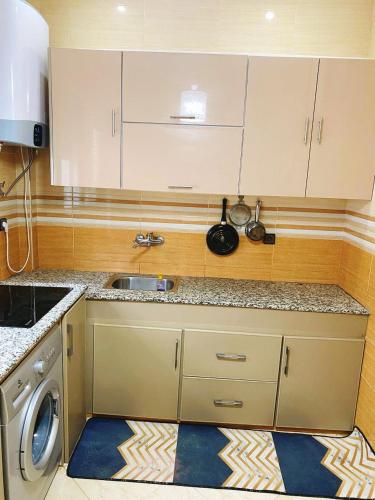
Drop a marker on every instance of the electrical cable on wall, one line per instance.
(26, 165)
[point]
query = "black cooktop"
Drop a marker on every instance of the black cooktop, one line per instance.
(23, 306)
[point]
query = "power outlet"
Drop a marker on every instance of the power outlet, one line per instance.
(269, 239)
(2, 221)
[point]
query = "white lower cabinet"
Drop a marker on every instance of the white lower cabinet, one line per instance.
(228, 401)
(319, 383)
(136, 371)
(202, 364)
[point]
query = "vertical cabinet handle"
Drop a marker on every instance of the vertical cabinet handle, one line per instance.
(320, 130)
(70, 342)
(176, 355)
(286, 366)
(307, 126)
(113, 122)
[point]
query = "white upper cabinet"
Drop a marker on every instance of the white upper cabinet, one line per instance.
(85, 97)
(278, 124)
(182, 158)
(342, 162)
(184, 88)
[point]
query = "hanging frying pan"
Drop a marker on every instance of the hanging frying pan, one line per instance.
(255, 230)
(240, 213)
(222, 238)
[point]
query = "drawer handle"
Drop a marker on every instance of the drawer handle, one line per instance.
(182, 117)
(228, 403)
(180, 187)
(230, 357)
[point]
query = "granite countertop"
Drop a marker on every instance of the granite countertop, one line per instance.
(16, 343)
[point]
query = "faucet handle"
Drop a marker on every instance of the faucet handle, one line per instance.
(138, 239)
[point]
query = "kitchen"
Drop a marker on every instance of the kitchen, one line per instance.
(178, 320)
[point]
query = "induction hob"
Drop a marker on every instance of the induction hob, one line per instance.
(23, 306)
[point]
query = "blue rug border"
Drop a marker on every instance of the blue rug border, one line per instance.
(220, 488)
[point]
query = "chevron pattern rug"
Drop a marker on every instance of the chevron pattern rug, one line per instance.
(215, 457)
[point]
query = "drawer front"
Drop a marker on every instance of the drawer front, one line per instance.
(184, 158)
(228, 401)
(232, 355)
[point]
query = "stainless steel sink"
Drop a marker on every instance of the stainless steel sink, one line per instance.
(146, 283)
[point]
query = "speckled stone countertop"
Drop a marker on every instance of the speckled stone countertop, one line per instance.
(17, 342)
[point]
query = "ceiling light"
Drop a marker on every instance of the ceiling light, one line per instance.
(269, 15)
(121, 8)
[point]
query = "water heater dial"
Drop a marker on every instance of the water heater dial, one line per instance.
(40, 367)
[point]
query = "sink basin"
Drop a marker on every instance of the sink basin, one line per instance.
(146, 283)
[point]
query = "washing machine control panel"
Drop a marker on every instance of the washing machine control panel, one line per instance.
(44, 363)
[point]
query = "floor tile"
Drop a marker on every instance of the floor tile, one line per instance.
(65, 488)
(115, 490)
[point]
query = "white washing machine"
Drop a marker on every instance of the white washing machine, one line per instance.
(31, 421)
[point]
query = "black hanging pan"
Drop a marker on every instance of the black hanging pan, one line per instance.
(222, 238)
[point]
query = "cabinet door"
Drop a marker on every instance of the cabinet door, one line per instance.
(136, 371)
(85, 109)
(319, 383)
(166, 87)
(74, 328)
(181, 158)
(342, 162)
(278, 123)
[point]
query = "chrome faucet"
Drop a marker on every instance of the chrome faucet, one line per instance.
(149, 240)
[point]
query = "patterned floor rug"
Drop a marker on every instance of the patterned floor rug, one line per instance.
(215, 457)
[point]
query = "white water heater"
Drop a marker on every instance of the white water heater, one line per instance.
(24, 39)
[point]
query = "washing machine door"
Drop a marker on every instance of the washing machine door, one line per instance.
(40, 432)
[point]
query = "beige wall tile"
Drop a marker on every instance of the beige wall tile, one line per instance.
(55, 247)
(14, 252)
(312, 260)
(251, 260)
(372, 41)
(357, 262)
(368, 371)
(322, 27)
(105, 246)
(185, 249)
(365, 418)
(171, 269)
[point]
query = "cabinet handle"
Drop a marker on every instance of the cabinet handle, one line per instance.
(113, 122)
(230, 357)
(228, 403)
(320, 130)
(176, 355)
(286, 366)
(182, 117)
(307, 126)
(70, 342)
(180, 187)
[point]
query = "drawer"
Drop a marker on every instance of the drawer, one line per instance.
(232, 355)
(228, 401)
